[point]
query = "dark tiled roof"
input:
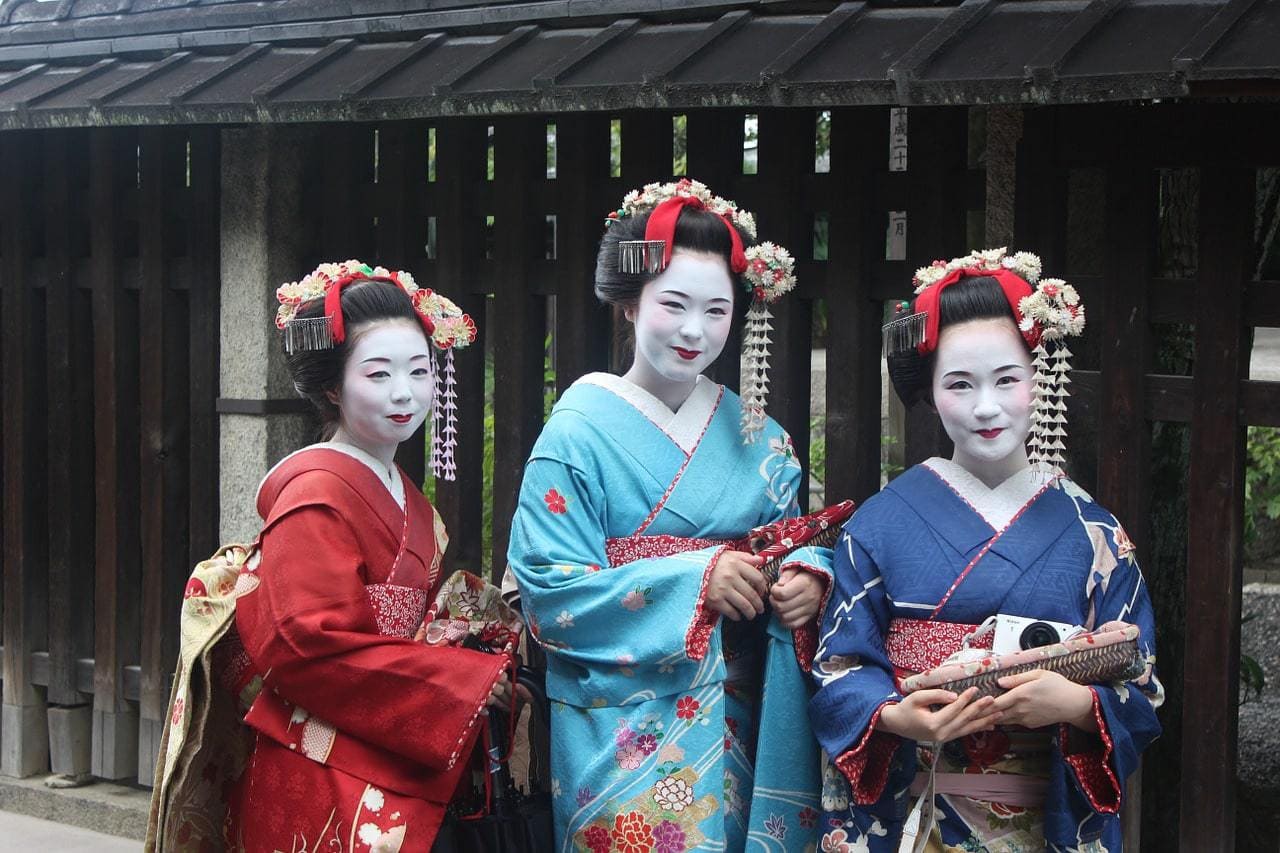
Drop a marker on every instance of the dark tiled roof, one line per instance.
(89, 62)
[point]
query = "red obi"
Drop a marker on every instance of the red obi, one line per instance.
(916, 645)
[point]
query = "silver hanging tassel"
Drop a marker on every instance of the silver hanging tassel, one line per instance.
(314, 333)
(641, 257)
(904, 334)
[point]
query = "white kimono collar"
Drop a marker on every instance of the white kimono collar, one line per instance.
(997, 506)
(685, 427)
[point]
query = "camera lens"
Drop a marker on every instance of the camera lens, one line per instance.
(1038, 634)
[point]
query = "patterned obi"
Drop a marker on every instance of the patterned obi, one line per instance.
(917, 645)
(628, 549)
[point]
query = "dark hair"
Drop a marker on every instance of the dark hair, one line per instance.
(317, 372)
(977, 298)
(696, 230)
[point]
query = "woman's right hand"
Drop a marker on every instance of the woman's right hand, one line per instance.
(914, 717)
(736, 589)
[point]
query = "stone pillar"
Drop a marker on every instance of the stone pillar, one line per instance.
(1004, 129)
(262, 245)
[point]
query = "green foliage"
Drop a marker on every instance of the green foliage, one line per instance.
(1253, 679)
(818, 449)
(1261, 478)
(679, 145)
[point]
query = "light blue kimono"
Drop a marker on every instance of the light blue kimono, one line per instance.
(671, 730)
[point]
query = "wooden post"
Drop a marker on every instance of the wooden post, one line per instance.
(859, 152)
(518, 319)
(785, 160)
(115, 721)
(1215, 508)
(24, 743)
(460, 167)
(583, 199)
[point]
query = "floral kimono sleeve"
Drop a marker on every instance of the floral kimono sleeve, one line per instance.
(1095, 766)
(853, 673)
(638, 615)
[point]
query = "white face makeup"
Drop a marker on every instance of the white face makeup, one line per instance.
(982, 389)
(387, 387)
(681, 322)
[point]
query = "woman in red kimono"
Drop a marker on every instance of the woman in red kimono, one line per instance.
(360, 733)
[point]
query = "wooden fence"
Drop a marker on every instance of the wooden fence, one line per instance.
(109, 263)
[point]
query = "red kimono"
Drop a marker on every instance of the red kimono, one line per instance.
(361, 733)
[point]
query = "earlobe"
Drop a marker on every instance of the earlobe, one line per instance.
(332, 397)
(630, 313)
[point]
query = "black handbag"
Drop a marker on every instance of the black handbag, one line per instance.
(499, 817)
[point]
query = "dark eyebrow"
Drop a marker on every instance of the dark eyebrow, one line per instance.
(1008, 367)
(388, 361)
(956, 373)
(683, 295)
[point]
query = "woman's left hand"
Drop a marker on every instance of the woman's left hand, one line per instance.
(796, 597)
(1041, 698)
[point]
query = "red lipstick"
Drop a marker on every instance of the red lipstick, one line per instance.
(990, 433)
(687, 354)
(401, 419)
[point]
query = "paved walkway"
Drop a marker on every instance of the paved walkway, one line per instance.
(31, 833)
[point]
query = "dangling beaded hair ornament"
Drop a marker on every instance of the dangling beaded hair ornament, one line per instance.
(767, 269)
(1047, 311)
(447, 328)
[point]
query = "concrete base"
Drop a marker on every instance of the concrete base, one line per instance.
(115, 745)
(70, 739)
(24, 740)
(105, 807)
(149, 732)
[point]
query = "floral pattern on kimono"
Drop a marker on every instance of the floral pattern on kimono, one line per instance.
(1033, 548)
(670, 731)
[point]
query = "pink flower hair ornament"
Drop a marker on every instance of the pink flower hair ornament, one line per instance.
(767, 270)
(447, 327)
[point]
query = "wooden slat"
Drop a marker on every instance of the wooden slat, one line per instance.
(115, 471)
(24, 547)
(70, 569)
(1216, 515)
(937, 160)
(203, 249)
(519, 326)
(582, 323)
(858, 154)
(460, 163)
(784, 217)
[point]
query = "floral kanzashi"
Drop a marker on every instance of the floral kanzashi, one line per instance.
(672, 794)
(687, 707)
(632, 833)
(556, 502)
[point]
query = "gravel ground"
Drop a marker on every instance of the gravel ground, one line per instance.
(1259, 753)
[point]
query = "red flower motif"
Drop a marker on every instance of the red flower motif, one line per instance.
(1005, 811)
(1050, 290)
(195, 587)
(632, 834)
(177, 711)
(808, 817)
(687, 708)
(556, 502)
(597, 838)
(986, 748)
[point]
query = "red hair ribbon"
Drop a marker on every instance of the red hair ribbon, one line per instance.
(662, 226)
(333, 304)
(1013, 285)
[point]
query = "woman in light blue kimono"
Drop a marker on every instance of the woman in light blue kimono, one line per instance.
(671, 728)
(953, 542)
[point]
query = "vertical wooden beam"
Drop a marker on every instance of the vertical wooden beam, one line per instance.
(518, 319)
(582, 323)
(785, 161)
(115, 721)
(858, 155)
(1040, 209)
(205, 290)
(460, 166)
(1216, 515)
(646, 149)
(69, 572)
(24, 744)
(937, 166)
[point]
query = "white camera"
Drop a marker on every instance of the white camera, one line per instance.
(1015, 633)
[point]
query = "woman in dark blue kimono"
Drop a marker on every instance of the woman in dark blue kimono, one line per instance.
(996, 529)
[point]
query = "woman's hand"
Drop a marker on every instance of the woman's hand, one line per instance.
(1041, 698)
(499, 693)
(796, 597)
(736, 589)
(914, 718)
